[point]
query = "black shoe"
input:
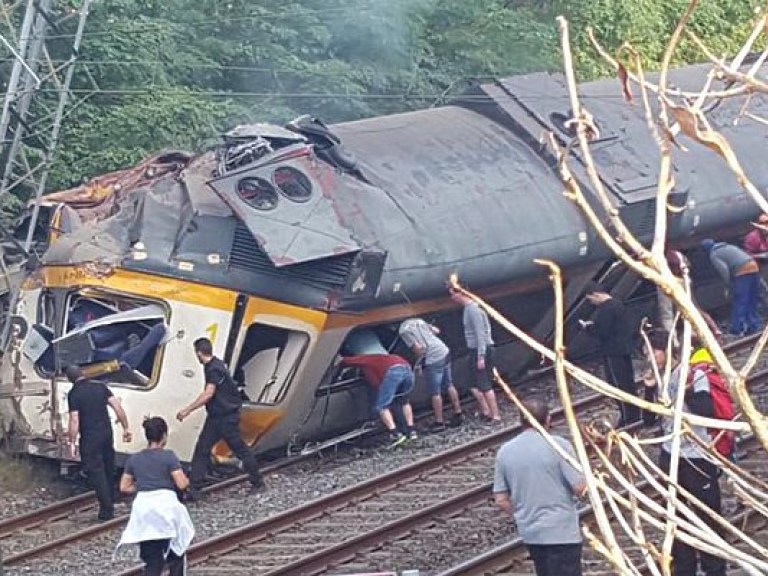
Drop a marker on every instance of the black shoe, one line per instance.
(436, 427)
(193, 495)
(257, 484)
(456, 420)
(106, 514)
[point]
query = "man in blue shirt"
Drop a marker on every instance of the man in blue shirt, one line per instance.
(534, 484)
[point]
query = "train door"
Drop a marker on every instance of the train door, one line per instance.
(272, 344)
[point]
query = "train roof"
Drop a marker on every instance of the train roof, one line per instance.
(345, 216)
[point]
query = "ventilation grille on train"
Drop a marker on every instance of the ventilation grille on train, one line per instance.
(325, 273)
(647, 223)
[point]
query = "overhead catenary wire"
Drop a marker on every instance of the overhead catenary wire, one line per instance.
(272, 14)
(340, 95)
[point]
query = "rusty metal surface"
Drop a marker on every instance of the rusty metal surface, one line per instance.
(98, 198)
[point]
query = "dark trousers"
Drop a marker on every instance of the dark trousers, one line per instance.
(135, 356)
(97, 456)
(152, 553)
(556, 559)
(699, 477)
(483, 378)
(225, 428)
(620, 373)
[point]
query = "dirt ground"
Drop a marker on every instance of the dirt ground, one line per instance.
(27, 483)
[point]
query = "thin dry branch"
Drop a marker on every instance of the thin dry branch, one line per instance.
(693, 124)
(617, 557)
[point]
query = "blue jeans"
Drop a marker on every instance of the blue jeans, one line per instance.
(398, 381)
(745, 296)
(438, 376)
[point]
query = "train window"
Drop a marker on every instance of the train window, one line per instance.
(268, 362)
(293, 183)
(381, 339)
(257, 193)
(113, 338)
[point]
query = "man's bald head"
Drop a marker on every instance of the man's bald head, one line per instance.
(538, 410)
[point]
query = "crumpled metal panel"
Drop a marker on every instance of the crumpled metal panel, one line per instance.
(99, 197)
(106, 241)
(292, 232)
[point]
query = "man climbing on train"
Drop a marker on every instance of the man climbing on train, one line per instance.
(222, 402)
(392, 378)
(740, 271)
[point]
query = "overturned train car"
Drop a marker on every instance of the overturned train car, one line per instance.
(288, 246)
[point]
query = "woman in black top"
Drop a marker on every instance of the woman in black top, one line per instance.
(159, 523)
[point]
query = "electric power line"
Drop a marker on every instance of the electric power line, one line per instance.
(154, 27)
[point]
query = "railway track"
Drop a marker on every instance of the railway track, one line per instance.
(335, 529)
(70, 513)
(511, 557)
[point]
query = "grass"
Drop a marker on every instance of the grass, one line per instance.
(16, 474)
(21, 474)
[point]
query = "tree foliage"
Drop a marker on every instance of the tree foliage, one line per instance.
(176, 73)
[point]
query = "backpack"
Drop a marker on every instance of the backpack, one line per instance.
(722, 403)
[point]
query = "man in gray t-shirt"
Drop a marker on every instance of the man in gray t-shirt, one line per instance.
(430, 350)
(477, 333)
(534, 484)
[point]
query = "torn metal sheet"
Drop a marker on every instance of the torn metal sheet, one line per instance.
(140, 314)
(123, 337)
(99, 197)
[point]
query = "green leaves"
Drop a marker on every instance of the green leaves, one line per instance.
(177, 73)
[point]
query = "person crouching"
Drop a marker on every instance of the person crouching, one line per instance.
(392, 378)
(159, 523)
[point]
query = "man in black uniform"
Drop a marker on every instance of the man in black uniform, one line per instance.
(88, 417)
(612, 328)
(222, 401)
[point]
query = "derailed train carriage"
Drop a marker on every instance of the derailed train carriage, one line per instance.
(287, 246)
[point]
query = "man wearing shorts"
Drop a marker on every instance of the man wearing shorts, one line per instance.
(392, 378)
(435, 356)
(477, 332)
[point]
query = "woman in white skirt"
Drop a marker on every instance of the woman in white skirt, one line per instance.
(159, 523)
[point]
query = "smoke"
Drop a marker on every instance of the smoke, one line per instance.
(378, 32)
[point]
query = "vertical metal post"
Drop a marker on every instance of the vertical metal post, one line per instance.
(18, 65)
(27, 92)
(63, 96)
